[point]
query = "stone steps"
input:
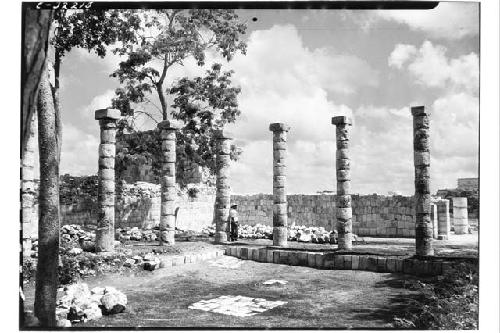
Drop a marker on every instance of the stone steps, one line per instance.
(178, 260)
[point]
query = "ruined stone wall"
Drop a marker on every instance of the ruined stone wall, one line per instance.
(373, 215)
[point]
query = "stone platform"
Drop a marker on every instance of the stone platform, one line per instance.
(340, 260)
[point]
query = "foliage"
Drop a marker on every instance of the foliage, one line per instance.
(166, 38)
(448, 302)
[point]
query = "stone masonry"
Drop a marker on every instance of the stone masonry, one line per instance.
(105, 234)
(421, 150)
(443, 213)
(343, 165)
(280, 222)
(223, 190)
(167, 180)
(460, 219)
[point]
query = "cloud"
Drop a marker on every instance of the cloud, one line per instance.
(79, 154)
(400, 54)
(430, 66)
(449, 20)
(283, 81)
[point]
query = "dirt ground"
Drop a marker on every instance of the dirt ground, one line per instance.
(315, 298)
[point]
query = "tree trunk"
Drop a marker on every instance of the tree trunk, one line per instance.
(161, 95)
(48, 224)
(35, 44)
(57, 104)
(28, 187)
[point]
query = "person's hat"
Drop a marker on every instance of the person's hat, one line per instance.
(234, 206)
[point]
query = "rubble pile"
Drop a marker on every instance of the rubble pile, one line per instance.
(295, 233)
(79, 304)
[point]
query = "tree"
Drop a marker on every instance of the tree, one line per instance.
(48, 225)
(93, 30)
(166, 39)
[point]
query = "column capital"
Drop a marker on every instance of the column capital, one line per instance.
(107, 114)
(279, 127)
(167, 125)
(341, 120)
(419, 111)
(220, 135)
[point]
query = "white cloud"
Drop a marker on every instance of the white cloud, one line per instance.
(449, 20)
(79, 154)
(400, 54)
(283, 81)
(430, 66)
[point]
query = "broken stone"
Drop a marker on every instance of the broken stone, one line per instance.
(113, 301)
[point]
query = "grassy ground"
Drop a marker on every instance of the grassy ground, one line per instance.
(316, 298)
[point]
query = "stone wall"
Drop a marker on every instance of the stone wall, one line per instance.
(138, 205)
(373, 215)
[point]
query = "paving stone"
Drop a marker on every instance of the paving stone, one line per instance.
(244, 253)
(381, 264)
(339, 262)
(239, 306)
(311, 259)
(391, 265)
(284, 258)
(363, 262)
(269, 256)
(276, 257)
(355, 262)
(319, 258)
(348, 262)
(371, 264)
(262, 255)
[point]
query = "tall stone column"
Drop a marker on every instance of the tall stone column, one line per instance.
(280, 218)
(421, 156)
(168, 190)
(28, 188)
(343, 165)
(443, 214)
(223, 190)
(105, 234)
(460, 216)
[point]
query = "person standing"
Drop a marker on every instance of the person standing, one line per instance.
(233, 222)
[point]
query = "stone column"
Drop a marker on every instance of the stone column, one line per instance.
(460, 217)
(443, 214)
(223, 190)
(280, 218)
(434, 220)
(28, 189)
(421, 159)
(105, 234)
(343, 164)
(167, 180)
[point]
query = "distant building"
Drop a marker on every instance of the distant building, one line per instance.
(394, 193)
(468, 184)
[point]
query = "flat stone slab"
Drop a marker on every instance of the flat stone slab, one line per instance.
(271, 282)
(238, 306)
(227, 262)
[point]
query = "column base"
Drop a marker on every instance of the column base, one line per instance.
(461, 230)
(220, 237)
(345, 241)
(280, 236)
(167, 237)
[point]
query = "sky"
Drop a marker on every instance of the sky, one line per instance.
(303, 67)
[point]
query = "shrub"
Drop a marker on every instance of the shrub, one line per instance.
(450, 301)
